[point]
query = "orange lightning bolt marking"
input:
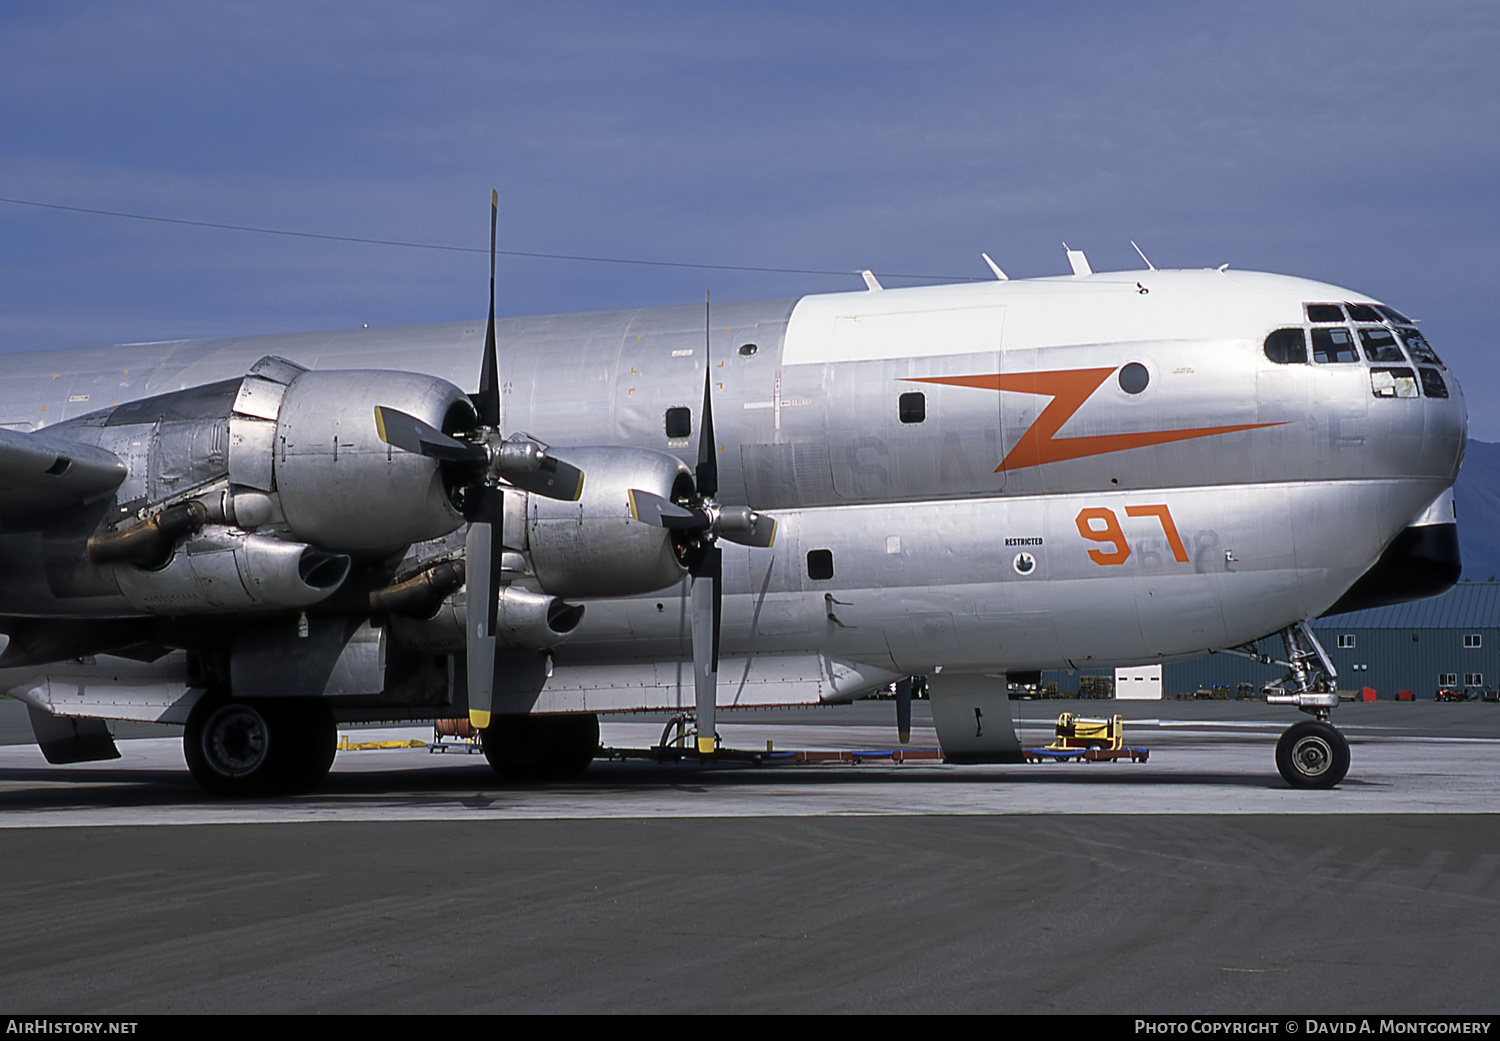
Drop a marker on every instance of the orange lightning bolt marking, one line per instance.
(1069, 389)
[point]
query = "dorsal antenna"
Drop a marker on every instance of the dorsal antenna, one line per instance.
(1078, 261)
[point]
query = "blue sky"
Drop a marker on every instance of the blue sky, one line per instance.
(1354, 143)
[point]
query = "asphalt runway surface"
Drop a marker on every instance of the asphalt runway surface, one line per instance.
(1193, 883)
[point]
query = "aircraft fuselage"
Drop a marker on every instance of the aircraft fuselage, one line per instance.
(1109, 469)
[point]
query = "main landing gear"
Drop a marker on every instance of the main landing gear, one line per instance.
(1310, 754)
(259, 746)
(239, 747)
(541, 748)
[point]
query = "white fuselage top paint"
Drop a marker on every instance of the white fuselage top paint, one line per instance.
(1115, 307)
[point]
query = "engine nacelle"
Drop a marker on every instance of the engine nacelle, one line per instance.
(593, 547)
(339, 484)
(226, 569)
(292, 448)
(525, 619)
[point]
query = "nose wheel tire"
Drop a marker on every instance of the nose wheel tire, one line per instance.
(247, 747)
(1312, 755)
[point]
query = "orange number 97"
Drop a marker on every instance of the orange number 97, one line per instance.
(1088, 521)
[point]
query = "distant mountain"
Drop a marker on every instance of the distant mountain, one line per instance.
(1476, 493)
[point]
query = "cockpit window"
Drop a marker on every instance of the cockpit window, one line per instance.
(1363, 313)
(1421, 351)
(1332, 345)
(1325, 313)
(1432, 384)
(1380, 345)
(1287, 346)
(1393, 383)
(1393, 314)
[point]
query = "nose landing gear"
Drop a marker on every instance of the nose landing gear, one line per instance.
(1310, 754)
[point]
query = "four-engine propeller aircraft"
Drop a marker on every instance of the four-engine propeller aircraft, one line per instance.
(263, 537)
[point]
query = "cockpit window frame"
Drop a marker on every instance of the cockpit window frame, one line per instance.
(1376, 351)
(1417, 346)
(1324, 314)
(1393, 381)
(1287, 346)
(1335, 355)
(1368, 334)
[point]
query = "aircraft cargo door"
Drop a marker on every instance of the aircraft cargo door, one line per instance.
(912, 413)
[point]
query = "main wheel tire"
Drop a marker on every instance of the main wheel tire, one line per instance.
(1312, 755)
(541, 748)
(246, 747)
(310, 724)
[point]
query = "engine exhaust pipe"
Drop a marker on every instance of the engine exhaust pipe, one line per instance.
(150, 542)
(421, 595)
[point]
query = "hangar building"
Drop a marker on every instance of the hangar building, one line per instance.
(1451, 640)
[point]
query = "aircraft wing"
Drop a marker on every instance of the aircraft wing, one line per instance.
(40, 474)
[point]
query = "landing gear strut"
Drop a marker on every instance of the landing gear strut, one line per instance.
(1310, 754)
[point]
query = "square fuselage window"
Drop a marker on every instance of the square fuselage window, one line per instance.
(679, 422)
(912, 408)
(820, 564)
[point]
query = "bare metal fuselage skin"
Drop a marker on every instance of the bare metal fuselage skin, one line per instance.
(986, 478)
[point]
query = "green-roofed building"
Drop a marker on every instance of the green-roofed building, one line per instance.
(1451, 640)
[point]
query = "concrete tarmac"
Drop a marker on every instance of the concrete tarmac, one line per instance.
(1194, 883)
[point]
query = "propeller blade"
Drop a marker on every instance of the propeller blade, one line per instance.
(903, 710)
(554, 479)
(707, 595)
(652, 509)
(487, 401)
(410, 434)
(528, 470)
(482, 553)
(707, 473)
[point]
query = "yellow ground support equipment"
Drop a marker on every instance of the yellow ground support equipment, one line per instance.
(1075, 732)
(1089, 740)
